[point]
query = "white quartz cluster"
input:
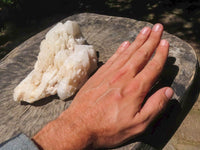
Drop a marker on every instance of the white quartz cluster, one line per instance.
(63, 65)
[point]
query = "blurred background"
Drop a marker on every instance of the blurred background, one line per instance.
(21, 19)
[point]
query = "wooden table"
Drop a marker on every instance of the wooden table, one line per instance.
(105, 33)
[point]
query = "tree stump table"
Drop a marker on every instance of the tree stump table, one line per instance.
(106, 33)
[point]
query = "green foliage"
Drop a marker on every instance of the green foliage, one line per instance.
(8, 2)
(120, 5)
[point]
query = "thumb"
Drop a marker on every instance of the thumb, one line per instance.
(155, 104)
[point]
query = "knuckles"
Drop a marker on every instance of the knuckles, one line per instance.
(118, 76)
(154, 65)
(115, 94)
(144, 54)
(135, 86)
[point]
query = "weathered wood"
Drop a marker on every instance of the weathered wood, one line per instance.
(105, 33)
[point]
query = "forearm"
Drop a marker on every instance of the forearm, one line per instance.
(64, 133)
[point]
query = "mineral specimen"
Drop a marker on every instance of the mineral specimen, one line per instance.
(63, 65)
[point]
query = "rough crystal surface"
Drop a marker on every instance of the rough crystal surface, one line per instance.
(64, 64)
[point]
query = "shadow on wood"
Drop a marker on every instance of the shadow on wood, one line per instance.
(41, 102)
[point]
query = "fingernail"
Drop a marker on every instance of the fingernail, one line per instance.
(125, 44)
(145, 30)
(157, 27)
(164, 42)
(169, 93)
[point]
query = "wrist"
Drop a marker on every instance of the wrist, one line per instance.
(66, 132)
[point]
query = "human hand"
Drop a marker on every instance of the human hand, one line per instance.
(108, 109)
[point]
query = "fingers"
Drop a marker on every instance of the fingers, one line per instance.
(146, 40)
(144, 80)
(125, 55)
(154, 38)
(121, 56)
(154, 105)
(121, 49)
(114, 57)
(143, 54)
(154, 67)
(130, 59)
